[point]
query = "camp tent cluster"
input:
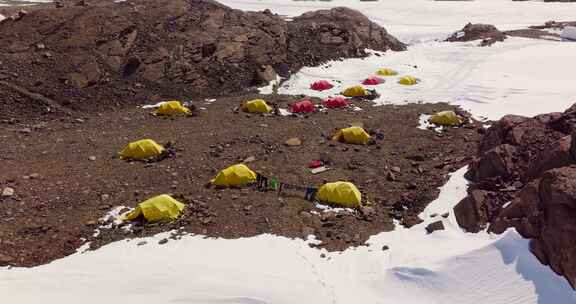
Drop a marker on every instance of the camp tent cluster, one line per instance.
(340, 193)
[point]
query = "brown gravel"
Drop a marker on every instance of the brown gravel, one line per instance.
(65, 174)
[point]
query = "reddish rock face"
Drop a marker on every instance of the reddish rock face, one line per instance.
(553, 227)
(531, 163)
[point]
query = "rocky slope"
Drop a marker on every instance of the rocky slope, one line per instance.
(93, 55)
(524, 176)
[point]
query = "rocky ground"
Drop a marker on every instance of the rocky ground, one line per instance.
(62, 176)
(524, 178)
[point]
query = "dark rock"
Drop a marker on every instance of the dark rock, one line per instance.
(559, 155)
(471, 211)
(488, 33)
(163, 241)
(5, 260)
(335, 33)
(385, 247)
(495, 162)
(435, 226)
(411, 220)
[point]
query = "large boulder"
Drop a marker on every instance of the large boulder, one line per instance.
(496, 162)
(558, 155)
(335, 33)
(487, 32)
(530, 163)
(473, 212)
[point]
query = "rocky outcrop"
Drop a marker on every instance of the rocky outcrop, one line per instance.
(104, 51)
(545, 212)
(524, 176)
(336, 33)
(487, 32)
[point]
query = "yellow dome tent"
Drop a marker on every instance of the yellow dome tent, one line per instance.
(173, 107)
(445, 118)
(355, 91)
(256, 106)
(352, 135)
(159, 208)
(141, 149)
(408, 80)
(236, 175)
(386, 72)
(340, 193)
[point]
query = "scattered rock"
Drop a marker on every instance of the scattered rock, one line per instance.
(294, 141)
(141, 243)
(367, 211)
(249, 159)
(411, 220)
(5, 259)
(25, 131)
(8, 192)
(445, 215)
(395, 169)
(385, 247)
(92, 158)
(435, 226)
(390, 176)
(163, 241)
(306, 231)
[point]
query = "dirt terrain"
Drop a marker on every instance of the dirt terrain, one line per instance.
(65, 174)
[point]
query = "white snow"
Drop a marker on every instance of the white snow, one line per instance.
(518, 76)
(449, 267)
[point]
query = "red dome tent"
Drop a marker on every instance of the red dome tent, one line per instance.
(303, 106)
(321, 85)
(336, 102)
(372, 80)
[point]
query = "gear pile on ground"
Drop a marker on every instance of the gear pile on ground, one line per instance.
(525, 177)
(102, 54)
